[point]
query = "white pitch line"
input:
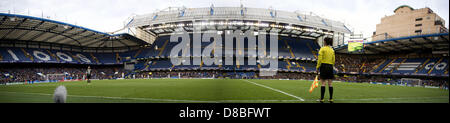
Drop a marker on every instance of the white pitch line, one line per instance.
(166, 100)
(148, 99)
(406, 98)
(299, 98)
(254, 101)
(124, 98)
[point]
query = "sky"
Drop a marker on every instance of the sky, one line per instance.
(111, 15)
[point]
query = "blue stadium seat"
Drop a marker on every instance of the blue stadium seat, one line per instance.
(53, 56)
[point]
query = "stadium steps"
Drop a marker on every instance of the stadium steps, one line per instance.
(312, 51)
(446, 71)
(95, 58)
(438, 62)
(161, 50)
(5, 55)
(290, 49)
(297, 65)
(377, 66)
(238, 65)
(422, 66)
(362, 66)
(343, 67)
(53, 55)
(27, 54)
(292, 54)
(220, 65)
(395, 67)
(301, 67)
(288, 66)
(382, 69)
(118, 58)
(201, 63)
(147, 65)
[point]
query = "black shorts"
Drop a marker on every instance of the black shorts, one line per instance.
(326, 71)
(88, 76)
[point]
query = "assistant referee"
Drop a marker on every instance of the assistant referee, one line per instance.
(325, 67)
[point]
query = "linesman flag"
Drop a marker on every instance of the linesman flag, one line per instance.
(315, 84)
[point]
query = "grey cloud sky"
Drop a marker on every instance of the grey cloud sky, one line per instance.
(110, 15)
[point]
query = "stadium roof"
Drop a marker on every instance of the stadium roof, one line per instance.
(27, 28)
(434, 42)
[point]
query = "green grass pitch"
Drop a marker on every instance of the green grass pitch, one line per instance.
(217, 91)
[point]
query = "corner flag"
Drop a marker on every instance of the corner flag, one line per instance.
(315, 84)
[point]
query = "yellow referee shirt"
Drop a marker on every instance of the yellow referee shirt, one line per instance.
(326, 55)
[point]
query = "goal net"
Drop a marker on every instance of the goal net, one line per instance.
(411, 82)
(55, 77)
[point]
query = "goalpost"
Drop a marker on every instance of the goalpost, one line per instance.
(55, 77)
(411, 81)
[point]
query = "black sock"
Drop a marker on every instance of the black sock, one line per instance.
(322, 92)
(330, 89)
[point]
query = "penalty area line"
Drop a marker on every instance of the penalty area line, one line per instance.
(162, 100)
(296, 97)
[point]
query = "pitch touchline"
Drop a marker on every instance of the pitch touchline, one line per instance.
(299, 98)
(369, 99)
(124, 98)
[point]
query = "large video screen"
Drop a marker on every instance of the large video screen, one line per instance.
(355, 46)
